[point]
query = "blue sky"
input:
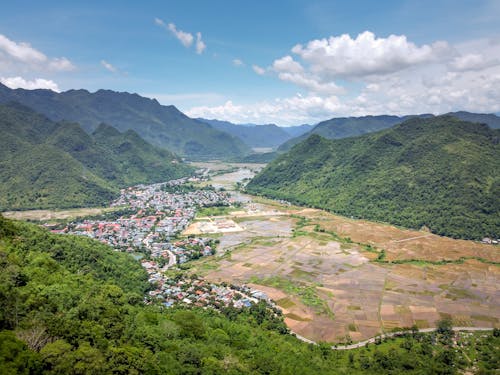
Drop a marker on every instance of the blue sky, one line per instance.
(285, 62)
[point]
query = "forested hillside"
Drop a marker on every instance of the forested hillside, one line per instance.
(439, 173)
(44, 164)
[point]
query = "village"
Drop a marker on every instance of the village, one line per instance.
(151, 233)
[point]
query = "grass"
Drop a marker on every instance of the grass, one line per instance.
(285, 303)
(308, 294)
(213, 211)
(297, 317)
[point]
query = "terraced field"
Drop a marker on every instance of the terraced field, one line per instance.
(338, 279)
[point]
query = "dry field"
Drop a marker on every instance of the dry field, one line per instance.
(48, 215)
(332, 289)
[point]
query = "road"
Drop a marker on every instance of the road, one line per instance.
(172, 260)
(387, 335)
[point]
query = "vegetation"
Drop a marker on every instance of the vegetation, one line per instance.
(70, 305)
(343, 127)
(436, 173)
(164, 126)
(44, 164)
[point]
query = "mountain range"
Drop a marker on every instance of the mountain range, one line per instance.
(343, 127)
(47, 164)
(163, 126)
(439, 173)
(259, 136)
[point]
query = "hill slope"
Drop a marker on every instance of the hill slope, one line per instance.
(44, 164)
(253, 135)
(163, 126)
(343, 127)
(438, 172)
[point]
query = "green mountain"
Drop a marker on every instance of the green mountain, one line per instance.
(269, 135)
(71, 305)
(160, 125)
(343, 127)
(44, 164)
(492, 120)
(439, 173)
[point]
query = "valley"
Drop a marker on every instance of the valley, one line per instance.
(327, 274)
(335, 279)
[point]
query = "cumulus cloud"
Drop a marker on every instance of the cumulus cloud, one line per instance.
(108, 66)
(366, 54)
(13, 54)
(200, 45)
(259, 70)
(238, 62)
(287, 64)
(38, 83)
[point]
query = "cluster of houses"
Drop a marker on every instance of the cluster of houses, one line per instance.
(160, 215)
(195, 291)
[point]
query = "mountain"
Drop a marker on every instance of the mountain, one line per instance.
(343, 127)
(298, 130)
(440, 173)
(254, 136)
(44, 164)
(160, 125)
(492, 120)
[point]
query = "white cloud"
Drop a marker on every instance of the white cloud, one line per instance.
(369, 75)
(108, 66)
(38, 83)
(200, 45)
(15, 55)
(283, 111)
(184, 37)
(257, 69)
(287, 64)
(311, 83)
(238, 62)
(61, 64)
(472, 61)
(366, 55)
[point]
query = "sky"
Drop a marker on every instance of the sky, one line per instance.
(283, 62)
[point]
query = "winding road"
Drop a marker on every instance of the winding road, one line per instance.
(388, 335)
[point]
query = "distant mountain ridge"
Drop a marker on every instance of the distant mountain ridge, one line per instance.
(439, 172)
(268, 135)
(44, 164)
(343, 127)
(160, 125)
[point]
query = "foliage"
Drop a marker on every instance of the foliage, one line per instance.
(44, 164)
(437, 173)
